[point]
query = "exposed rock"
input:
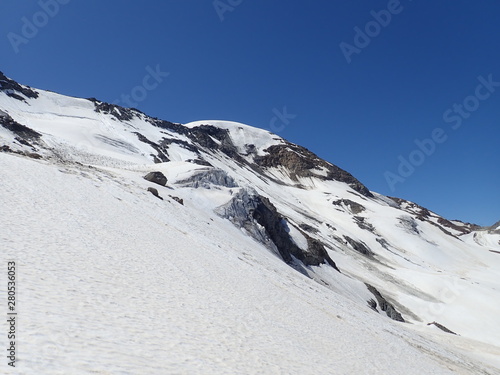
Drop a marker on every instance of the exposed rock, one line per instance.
(13, 89)
(373, 304)
(495, 228)
(409, 224)
(20, 130)
(161, 152)
(360, 247)
(246, 210)
(383, 242)
(441, 327)
(354, 207)
(308, 228)
(177, 199)
(154, 192)
(205, 179)
(303, 163)
(363, 224)
(120, 113)
(385, 305)
(156, 177)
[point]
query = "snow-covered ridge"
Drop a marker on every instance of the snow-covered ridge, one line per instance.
(252, 234)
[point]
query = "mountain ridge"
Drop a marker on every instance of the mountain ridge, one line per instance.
(382, 253)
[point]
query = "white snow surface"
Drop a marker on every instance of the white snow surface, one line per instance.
(113, 280)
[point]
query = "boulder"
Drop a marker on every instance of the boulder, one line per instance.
(154, 192)
(156, 177)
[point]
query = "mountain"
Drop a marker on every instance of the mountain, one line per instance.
(214, 247)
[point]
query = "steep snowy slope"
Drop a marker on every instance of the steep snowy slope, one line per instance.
(258, 258)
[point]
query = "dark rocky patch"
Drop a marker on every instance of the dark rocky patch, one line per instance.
(199, 162)
(13, 89)
(301, 163)
(409, 223)
(22, 131)
(165, 142)
(156, 177)
(205, 179)
(154, 192)
(161, 152)
(167, 125)
(363, 224)
(177, 199)
(119, 112)
(245, 209)
(355, 208)
(359, 246)
(372, 304)
(331, 227)
(383, 243)
(442, 327)
(308, 228)
(389, 309)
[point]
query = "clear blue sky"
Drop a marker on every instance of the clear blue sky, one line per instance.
(264, 55)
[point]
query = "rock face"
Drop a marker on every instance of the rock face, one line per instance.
(208, 178)
(359, 246)
(15, 90)
(354, 207)
(441, 327)
(156, 177)
(20, 130)
(246, 210)
(303, 163)
(389, 309)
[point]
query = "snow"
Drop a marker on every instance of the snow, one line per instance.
(242, 134)
(115, 280)
(157, 290)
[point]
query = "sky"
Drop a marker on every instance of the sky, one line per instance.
(402, 94)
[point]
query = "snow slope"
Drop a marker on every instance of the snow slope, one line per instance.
(115, 280)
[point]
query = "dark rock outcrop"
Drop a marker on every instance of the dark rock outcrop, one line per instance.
(13, 89)
(120, 113)
(156, 177)
(246, 210)
(208, 178)
(154, 192)
(354, 207)
(303, 163)
(384, 305)
(161, 156)
(360, 247)
(177, 199)
(20, 130)
(364, 224)
(441, 327)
